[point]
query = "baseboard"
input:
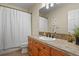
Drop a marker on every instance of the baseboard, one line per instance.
(9, 50)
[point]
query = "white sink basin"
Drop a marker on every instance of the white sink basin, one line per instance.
(47, 38)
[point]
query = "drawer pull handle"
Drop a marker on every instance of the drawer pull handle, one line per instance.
(35, 42)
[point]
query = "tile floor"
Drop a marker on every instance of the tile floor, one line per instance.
(15, 53)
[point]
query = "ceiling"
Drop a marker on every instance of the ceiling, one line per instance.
(22, 5)
(56, 5)
(42, 10)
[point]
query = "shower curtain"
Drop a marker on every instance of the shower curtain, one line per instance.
(15, 27)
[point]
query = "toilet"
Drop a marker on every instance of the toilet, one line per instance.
(24, 47)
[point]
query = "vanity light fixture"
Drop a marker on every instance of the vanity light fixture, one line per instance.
(43, 5)
(47, 5)
(51, 4)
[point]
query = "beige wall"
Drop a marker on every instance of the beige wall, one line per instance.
(61, 16)
(43, 15)
(35, 19)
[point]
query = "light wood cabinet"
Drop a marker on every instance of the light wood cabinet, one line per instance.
(44, 50)
(56, 52)
(37, 48)
(32, 49)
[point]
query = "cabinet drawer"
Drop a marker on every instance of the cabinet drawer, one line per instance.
(36, 44)
(44, 47)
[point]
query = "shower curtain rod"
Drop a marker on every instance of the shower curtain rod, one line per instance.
(15, 8)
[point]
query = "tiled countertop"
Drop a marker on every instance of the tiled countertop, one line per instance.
(64, 45)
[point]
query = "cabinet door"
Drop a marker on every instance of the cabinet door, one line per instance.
(32, 49)
(30, 46)
(55, 52)
(44, 50)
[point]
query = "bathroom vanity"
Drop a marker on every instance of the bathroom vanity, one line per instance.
(45, 46)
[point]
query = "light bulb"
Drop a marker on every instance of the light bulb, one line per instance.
(51, 5)
(43, 5)
(47, 6)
